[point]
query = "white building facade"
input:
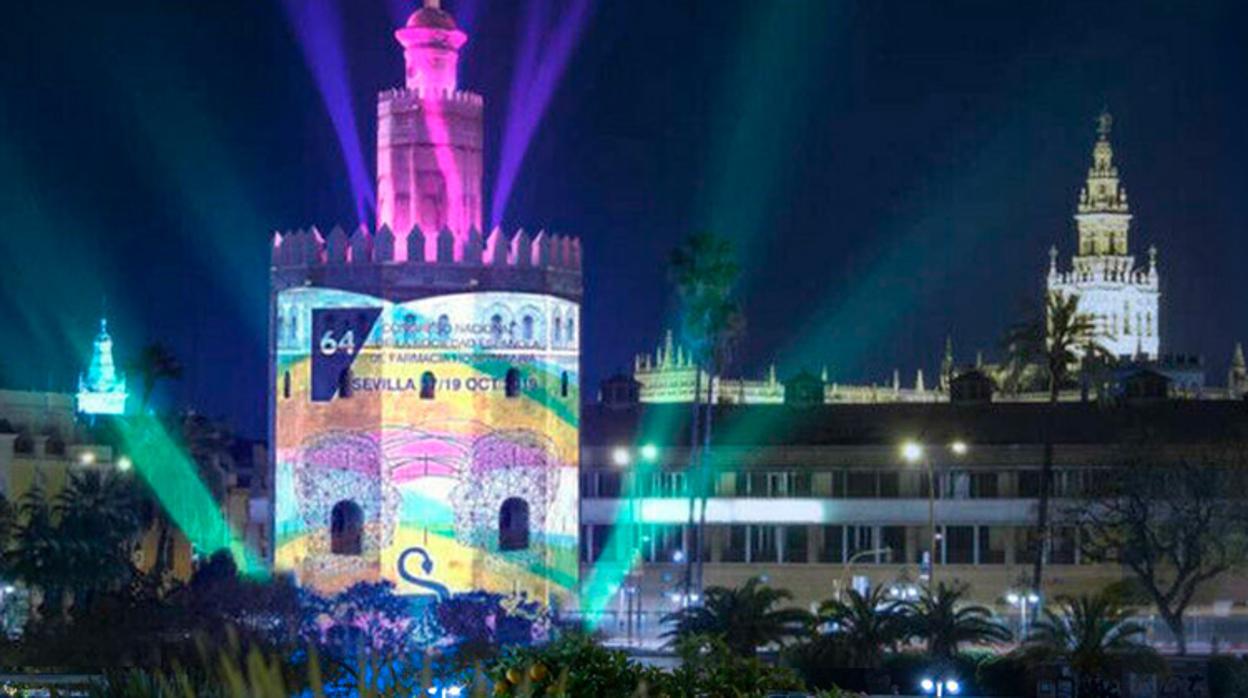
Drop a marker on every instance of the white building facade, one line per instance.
(1121, 297)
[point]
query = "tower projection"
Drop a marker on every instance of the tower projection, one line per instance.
(425, 396)
(1121, 299)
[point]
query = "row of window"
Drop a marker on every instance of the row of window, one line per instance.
(829, 544)
(346, 527)
(838, 484)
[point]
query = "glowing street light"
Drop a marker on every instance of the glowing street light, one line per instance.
(124, 464)
(912, 452)
(959, 448)
(1023, 600)
(620, 456)
(86, 457)
(650, 452)
(940, 686)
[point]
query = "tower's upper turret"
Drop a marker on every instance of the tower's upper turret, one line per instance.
(431, 41)
(1103, 215)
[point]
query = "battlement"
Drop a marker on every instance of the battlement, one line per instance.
(309, 248)
(405, 96)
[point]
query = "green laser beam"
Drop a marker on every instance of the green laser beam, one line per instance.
(174, 478)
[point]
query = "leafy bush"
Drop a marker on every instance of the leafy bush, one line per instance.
(1228, 677)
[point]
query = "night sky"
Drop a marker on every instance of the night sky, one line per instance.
(891, 172)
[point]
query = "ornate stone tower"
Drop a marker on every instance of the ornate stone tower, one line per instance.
(1122, 299)
(425, 397)
(429, 137)
(102, 389)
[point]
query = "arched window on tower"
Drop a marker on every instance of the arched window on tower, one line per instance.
(511, 383)
(286, 385)
(496, 327)
(558, 335)
(428, 385)
(526, 328)
(571, 331)
(563, 384)
(346, 528)
(513, 525)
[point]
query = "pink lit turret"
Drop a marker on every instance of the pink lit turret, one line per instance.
(429, 138)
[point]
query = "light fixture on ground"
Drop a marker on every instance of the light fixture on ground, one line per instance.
(940, 686)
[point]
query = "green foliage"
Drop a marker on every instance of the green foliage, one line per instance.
(745, 618)
(1052, 340)
(571, 665)
(820, 660)
(868, 624)
(1091, 633)
(710, 667)
(943, 620)
(1228, 677)
(1003, 675)
(704, 271)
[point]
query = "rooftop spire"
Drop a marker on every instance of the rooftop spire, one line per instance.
(1104, 123)
(102, 389)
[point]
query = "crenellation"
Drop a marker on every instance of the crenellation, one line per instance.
(338, 244)
(383, 245)
(300, 248)
(361, 246)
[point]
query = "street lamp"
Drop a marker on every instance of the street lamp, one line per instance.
(1023, 600)
(914, 453)
(941, 686)
(650, 452)
(620, 456)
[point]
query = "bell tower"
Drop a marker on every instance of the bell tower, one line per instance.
(1121, 298)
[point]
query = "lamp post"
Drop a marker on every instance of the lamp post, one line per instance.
(914, 453)
(846, 580)
(1023, 600)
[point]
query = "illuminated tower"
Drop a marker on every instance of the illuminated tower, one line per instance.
(1122, 299)
(425, 395)
(102, 390)
(429, 137)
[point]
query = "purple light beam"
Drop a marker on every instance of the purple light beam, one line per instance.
(318, 27)
(542, 56)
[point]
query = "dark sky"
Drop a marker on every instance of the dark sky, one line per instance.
(891, 171)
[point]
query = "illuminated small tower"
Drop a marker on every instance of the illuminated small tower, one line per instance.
(1121, 298)
(102, 389)
(429, 139)
(425, 400)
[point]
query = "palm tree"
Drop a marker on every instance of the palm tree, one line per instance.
(704, 272)
(1054, 342)
(155, 363)
(868, 624)
(1091, 633)
(746, 618)
(38, 557)
(98, 520)
(942, 619)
